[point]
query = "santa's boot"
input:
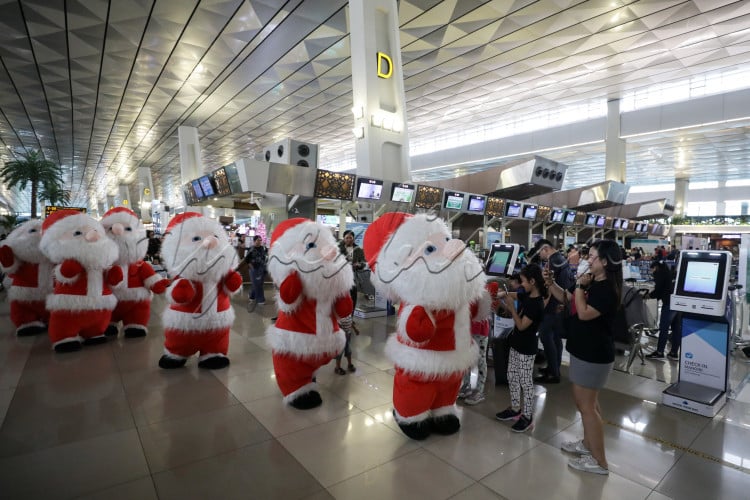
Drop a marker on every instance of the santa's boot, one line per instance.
(417, 430)
(215, 362)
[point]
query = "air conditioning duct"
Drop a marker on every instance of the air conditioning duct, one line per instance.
(597, 196)
(292, 152)
(654, 209)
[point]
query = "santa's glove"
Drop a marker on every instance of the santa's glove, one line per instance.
(343, 306)
(183, 291)
(419, 326)
(160, 286)
(114, 275)
(291, 288)
(6, 256)
(233, 281)
(71, 268)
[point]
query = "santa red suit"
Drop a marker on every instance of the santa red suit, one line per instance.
(197, 253)
(134, 292)
(435, 278)
(30, 274)
(314, 280)
(82, 302)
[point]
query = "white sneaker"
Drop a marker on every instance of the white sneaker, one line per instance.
(464, 393)
(474, 399)
(587, 463)
(576, 447)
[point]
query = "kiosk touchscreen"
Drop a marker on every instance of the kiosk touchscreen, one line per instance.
(700, 296)
(502, 259)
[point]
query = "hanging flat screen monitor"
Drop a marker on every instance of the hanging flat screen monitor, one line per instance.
(403, 193)
(453, 200)
(502, 259)
(570, 217)
(206, 186)
(529, 211)
(477, 203)
(556, 215)
(641, 227)
(616, 223)
(600, 220)
(197, 189)
(702, 282)
(369, 189)
(624, 224)
(512, 209)
(590, 220)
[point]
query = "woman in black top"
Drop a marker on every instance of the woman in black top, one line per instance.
(523, 345)
(663, 286)
(596, 299)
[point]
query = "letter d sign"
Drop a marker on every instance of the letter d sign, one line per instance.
(384, 60)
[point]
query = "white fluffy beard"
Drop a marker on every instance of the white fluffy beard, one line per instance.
(439, 284)
(97, 255)
(196, 263)
(131, 247)
(321, 279)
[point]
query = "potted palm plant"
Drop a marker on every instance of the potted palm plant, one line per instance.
(32, 168)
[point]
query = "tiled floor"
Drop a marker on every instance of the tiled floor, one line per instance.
(107, 423)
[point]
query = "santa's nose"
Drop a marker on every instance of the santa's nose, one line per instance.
(117, 228)
(92, 236)
(210, 242)
(329, 253)
(453, 248)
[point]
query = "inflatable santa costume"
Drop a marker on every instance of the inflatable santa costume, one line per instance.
(82, 302)
(313, 280)
(134, 292)
(197, 254)
(30, 274)
(436, 279)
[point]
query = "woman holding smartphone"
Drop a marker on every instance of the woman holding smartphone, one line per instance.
(596, 299)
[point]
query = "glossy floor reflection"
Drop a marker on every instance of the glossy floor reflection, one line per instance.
(106, 422)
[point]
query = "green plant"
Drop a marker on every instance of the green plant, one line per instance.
(32, 169)
(8, 222)
(55, 195)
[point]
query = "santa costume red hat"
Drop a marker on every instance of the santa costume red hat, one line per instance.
(313, 281)
(82, 302)
(437, 282)
(197, 253)
(30, 274)
(134, 292)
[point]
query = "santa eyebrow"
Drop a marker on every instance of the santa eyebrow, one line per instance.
(308, 236)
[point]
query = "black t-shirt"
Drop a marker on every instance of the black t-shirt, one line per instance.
(592, 340)
(525, 341)
(257, 256)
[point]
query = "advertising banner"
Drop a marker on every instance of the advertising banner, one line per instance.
(705, 347)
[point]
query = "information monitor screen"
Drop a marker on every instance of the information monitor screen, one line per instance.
(512, 209)
(529, 211)
(197, 189)
(477, 203)
(624, 224)
(616, 223)
(453, 200)
(556, 215)
(600, 220)
(591, 219)
(570, 216)
(701, 275)
(403, 193)
(501, 259)
(369, 189)
(206, 186)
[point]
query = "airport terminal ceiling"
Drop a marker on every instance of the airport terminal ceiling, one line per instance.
(102, 86)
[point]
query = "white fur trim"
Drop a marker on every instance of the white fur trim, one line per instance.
(211, 355)
(287, 308)
(32, 323)
(138, 294)
(445, 410)
(304, 344)
(419, 417)
(26, 294)
(62, 279)
(312, 386)
(173, 356)
(427, 363)
(197, 322)
(151, 280)
(77, 338)
(57, 302)
(134, 326)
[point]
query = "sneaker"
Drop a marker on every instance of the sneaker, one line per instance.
(262, 303)
(474, 398)
(508, 414)
(656, 356)
(674, 356)
(575, 447)
(464, 393)
(522, 424)
(587, 463)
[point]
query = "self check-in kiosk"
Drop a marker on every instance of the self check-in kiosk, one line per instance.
(700, 294)
(500, 264)
(502, 259)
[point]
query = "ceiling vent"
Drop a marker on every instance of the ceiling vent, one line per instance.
(292, 152)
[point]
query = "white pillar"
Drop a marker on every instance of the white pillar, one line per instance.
(615, 169)
(190, 153)
(681, 196)
(382, 146)
(145, 188)
(123, 196)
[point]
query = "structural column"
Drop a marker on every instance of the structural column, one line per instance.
(615, 169)
(190, 153)
(145, 186)
(382, 144)
(681, 186)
